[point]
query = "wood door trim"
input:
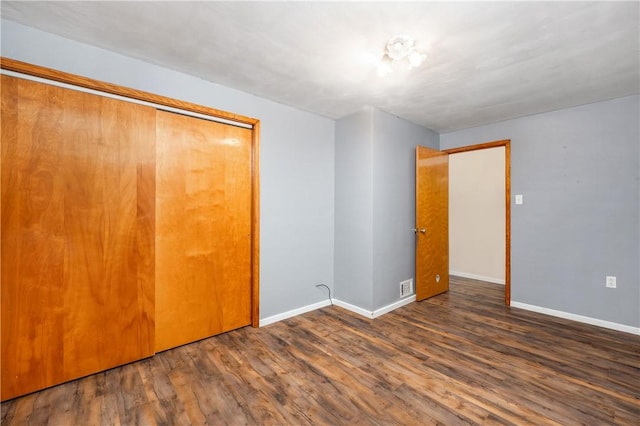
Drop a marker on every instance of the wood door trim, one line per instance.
(506, 143)
(114, 89)
(486, 145)
(255, 228)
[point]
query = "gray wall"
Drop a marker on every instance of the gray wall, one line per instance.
(375, 206)
(578, 170)
(394, 206)
(354, 209)
(296, 155)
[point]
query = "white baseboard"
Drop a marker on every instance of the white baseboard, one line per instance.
(579, 318)
(345, 305)
(477, 277)
(294, 312)
(353, 308)
(394, 306)
(378, 312)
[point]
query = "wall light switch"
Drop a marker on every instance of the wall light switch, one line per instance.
(519, 199)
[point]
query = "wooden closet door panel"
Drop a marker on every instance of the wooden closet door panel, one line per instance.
(77, 234)
(203, 229)
(109, 232)
(32, 240)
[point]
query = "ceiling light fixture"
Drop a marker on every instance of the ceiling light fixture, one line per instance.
(398, 48)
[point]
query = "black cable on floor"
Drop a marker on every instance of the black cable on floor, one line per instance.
(327, 287)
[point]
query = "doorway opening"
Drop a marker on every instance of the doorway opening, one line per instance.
(506, 225)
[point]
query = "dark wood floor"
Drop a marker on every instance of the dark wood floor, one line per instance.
(458, 358)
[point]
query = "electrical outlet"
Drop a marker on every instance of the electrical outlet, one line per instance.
(610, 282)
(406, 287)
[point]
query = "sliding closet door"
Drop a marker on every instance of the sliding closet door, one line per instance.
(203, 229)
(77, 234)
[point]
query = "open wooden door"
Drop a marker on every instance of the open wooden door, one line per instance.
(432, 222)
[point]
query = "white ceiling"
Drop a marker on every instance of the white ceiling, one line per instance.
(487, 61)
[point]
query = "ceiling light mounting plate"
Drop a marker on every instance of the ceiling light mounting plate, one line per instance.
(399, 46)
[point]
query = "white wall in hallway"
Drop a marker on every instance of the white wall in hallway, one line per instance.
(477, 214)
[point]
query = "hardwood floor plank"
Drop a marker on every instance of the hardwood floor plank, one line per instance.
(459, 358)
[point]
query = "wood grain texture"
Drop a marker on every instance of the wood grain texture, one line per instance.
(507, 207)
(506, 143)
(80, 81)
(88, 83)
(255, 226)
(203, 229)
(432, 215)
(77, 234)
(461, 357)
(475, 147)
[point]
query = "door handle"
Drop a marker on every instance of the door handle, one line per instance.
(421, 230)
